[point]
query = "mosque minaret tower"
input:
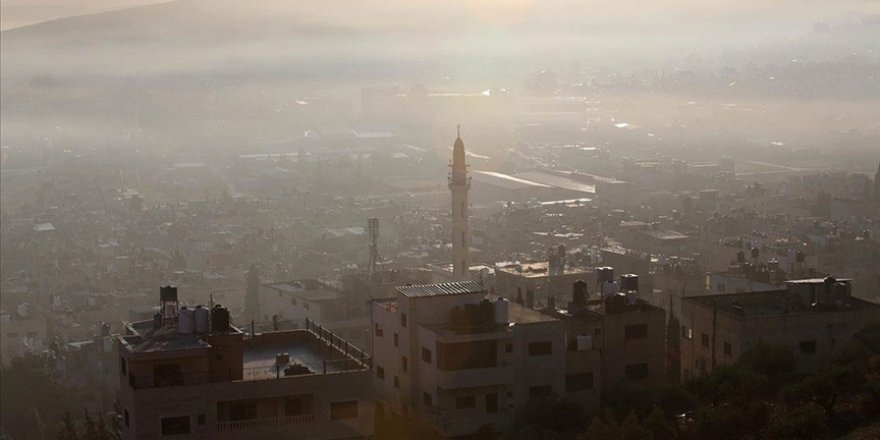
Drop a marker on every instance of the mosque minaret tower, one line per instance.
(459, 184)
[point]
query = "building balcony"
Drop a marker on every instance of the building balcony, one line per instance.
(275, 422)
(475, 377)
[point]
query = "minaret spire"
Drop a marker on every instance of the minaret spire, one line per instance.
(459, 184)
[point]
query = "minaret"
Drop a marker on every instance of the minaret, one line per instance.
(459, 184)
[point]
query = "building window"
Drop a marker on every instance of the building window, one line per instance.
(396, 340)
(201, 419)
(808, 347)
(380, 373)
(175, 425)
(687, 333)
(579, 382)
(540, 391)
(427, 399)
(125, 417)
(396, 382)
(242, 410)
(465, 402)
(344, 410)
(293, 301)
(305, 305)
(508, 348)
(297, 405)
(492, 402)
(636, 331)
(404, 364)
(462, 238)
(704, 340)
(728, 349)
(540, 348)
(721, 288)
(403, 320)
(122, 366)
(636, 371)
(426, 355)
(379, 331)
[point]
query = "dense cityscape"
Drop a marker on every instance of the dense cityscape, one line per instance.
(551, 247)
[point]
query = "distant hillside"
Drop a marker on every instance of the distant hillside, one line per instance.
(209, 34)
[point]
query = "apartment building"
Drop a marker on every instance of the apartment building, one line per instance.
(537, 282)
(812, 316)
(463, 360)
(618, 338)
(297, 300)
(191, 374)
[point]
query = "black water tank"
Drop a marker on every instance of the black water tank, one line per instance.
(168, 293)
(629, 283)
(219, 319)
(605, 275)
(579, 293)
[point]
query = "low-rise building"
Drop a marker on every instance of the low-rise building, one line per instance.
(190, 374)
(462, 360)
(812, 316)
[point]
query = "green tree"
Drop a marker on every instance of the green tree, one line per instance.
(30, 399)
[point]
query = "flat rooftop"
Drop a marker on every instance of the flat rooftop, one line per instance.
(311, 290)
(303, 348)
(557, 181)
(773, 303)
(441, 289)
(520, 314)
(147, 339)
(538, 269)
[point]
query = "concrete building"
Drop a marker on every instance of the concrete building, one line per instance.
(298, 300)
(812, 316)
(459, 184)
(190, 374)
(463, 361)
(23, 331)
(537, 282)
(616, 338)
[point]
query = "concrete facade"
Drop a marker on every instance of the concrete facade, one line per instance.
(806, 315)
(461, 380)
(223, 384)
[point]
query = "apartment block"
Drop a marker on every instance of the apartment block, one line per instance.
(812, 316)
(461, 359)
(189, 373)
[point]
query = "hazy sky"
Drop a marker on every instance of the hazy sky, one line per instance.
(640, 13)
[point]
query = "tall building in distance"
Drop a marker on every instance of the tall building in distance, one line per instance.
(459, 184)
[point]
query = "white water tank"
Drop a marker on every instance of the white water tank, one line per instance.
(186, 323)
(501, 311)
(584, 342)
(201, 315)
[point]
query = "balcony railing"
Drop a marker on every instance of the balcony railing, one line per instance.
(168, 380)
(239, 425)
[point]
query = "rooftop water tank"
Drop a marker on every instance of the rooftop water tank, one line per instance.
(219, 319)
(186, 324)
(201, 319)
(629, 283)
(605, 275)
(502, 310)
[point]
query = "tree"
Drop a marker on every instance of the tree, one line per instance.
(30, 397)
